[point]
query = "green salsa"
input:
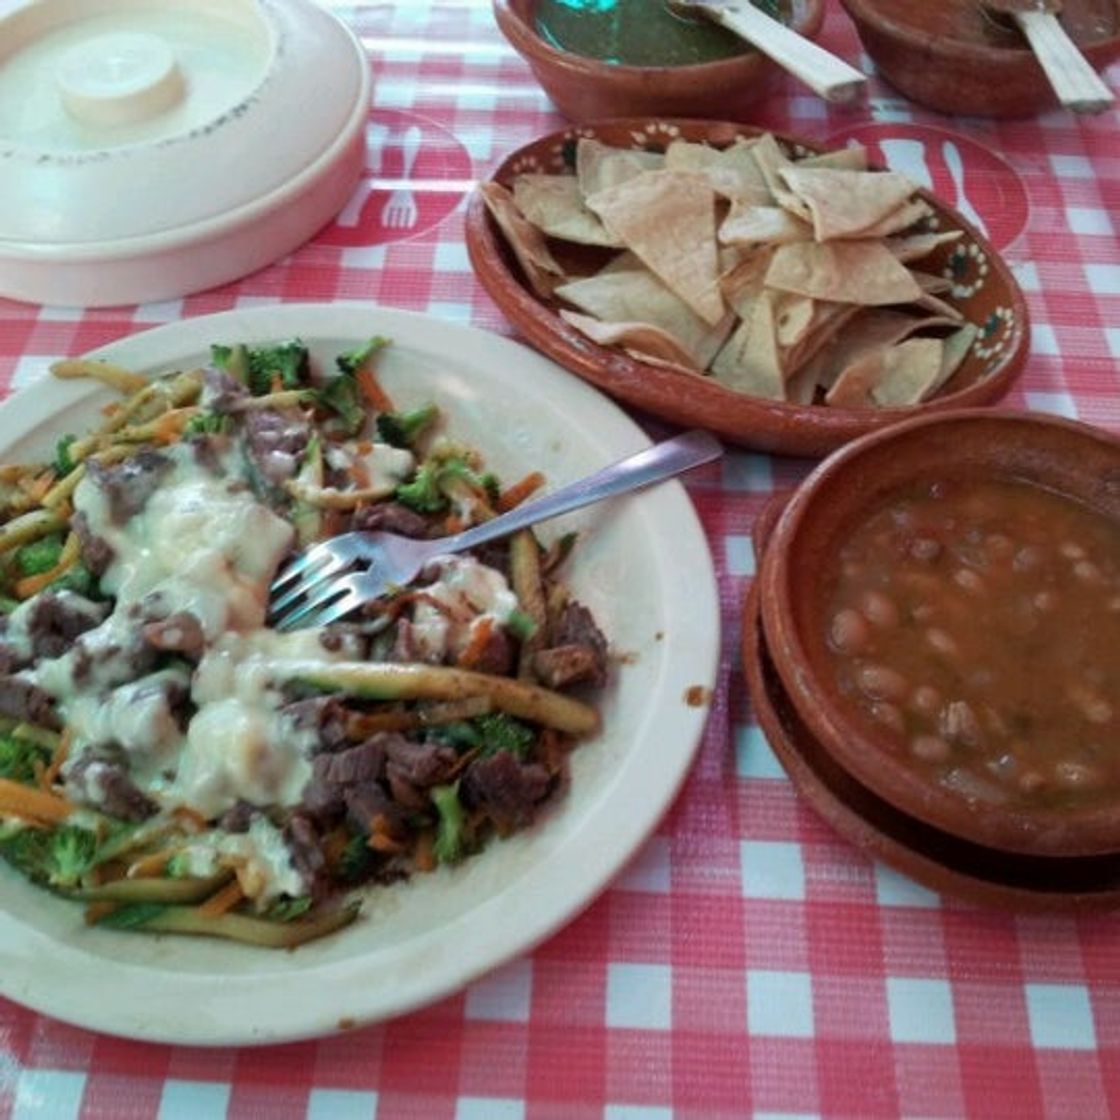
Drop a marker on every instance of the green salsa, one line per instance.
(637, 32)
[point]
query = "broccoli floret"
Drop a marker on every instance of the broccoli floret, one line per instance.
(208, 423)
(131, 915)
(79, 579)
(288, 361)
(423, 493)
(357, 860)
(350, 361)
(63, 464)
(7, 605)
(450, 845)
(401, 429)
(520, 625)
(340, 396)
(501, 732)
(233, 359)
(18, 758)
(39, 556)
(178, 866)
(72, 853)
(461, 735)
(58, 859)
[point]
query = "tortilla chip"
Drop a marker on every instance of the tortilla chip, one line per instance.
(762, 225)
(742, 284)
(862, 272)
(956, 348)
(750, 362)
(919, 245)
(668, 219)
(524, 239)
(907, 215)
(554, 204)
(852, 158)
(846, 203)
(637, 338)
(599, 166)
(871, 330)
(732, 172)
(928, 282)
(793, 316)
(771, 160)
(618, 296)
(911, 370)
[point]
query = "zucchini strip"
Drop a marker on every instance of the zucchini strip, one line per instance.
(525, 578)
(153, 890)
(29, 527)
(392, 681)
(116, 377)
(250, 930)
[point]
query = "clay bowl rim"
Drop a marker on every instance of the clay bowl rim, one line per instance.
(1087, 832)
(525, 40)
(866, 12)
(883, 832)
(772, 426)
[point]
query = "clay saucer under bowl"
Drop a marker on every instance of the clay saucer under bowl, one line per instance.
(801, 560)
(586, 88)
(936, 859)
(984, 291)
(952, 57)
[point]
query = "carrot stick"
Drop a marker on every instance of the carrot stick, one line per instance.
(25, 801)
(221, 901)
(95, 911)
(371, 390)
(32, 585)
(514, 495)
(151, 865)
(476, 647)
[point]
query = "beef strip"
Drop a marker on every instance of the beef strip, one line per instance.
(238, 818)
(56, 618)
(96, 552)
(333, 775)
(496, 656)
(507, 789)
(367, 803)
(129, 485)
(577, 651)
(326, 715)
(97, 778)
(413, 768)
(221, 390)
(28, 703)
(391, 517)
(302, 839)
(276, 442)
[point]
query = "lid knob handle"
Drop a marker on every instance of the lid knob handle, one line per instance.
(119, 78)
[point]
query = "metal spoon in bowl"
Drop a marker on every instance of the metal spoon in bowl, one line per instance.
(824, 73)
(1077, 85)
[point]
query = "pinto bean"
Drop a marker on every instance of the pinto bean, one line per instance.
(942, 642)
(849, 632)
(930, 748)
(926, 700)
(969, 580)
(889, 715)
(879, 609)
(880, 682)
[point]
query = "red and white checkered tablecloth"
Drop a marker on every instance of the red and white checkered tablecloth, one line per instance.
(749, 962)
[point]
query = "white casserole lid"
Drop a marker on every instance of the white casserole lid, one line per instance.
(151, 148)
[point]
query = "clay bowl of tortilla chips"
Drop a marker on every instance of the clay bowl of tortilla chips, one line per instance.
(955, 58)
(585, 88)
(721, 277)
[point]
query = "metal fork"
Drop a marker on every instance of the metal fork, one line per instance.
(318, 587)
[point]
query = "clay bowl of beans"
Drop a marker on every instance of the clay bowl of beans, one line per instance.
(941, 603)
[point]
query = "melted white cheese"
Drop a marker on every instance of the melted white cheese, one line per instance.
(382, 465)
(466, 593)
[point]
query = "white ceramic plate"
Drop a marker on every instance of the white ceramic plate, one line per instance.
(642, 566)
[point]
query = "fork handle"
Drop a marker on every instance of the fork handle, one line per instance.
(654, 464)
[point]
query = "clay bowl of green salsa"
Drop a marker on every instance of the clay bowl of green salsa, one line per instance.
(623, 58)
(941, 602)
